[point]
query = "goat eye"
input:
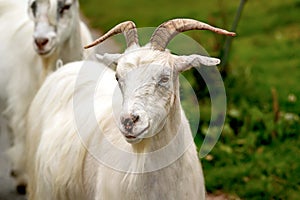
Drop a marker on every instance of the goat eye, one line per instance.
(164, 79)
(63, 8)
(33, 7)
(117, 78)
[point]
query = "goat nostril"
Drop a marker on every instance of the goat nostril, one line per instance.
(13, 173)
(128, 123)
(40, 42)
(135, 118)
(21, 189)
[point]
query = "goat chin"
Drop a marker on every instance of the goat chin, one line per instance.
(22, 70)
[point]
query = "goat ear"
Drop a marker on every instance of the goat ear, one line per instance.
(184, 63)
(111, 60)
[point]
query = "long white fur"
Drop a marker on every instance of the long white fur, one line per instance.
(70, 160)
(23, 70)
(64, 155)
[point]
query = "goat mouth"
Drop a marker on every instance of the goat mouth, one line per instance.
(130, 137)
(44, 52)
(133, 138)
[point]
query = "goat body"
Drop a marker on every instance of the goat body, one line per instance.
(74, 164)
(91, 139)
(23, 70)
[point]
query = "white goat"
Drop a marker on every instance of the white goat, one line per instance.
(30, 49)
(75, 125)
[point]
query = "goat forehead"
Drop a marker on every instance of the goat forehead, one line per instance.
(142, 58)
(50, 2)
(58, 3)
(49, 9)
(145, 76)
(65, 1)
(53, 4)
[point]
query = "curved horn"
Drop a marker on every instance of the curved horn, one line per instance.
(166, 31)
(127, 27)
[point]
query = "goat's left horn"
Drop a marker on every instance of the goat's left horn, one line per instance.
(168, 30)
(129, 30)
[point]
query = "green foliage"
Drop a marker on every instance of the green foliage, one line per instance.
(256, 156)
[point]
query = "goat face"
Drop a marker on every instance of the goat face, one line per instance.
(54, 20)
(148, 76)
(147, 87)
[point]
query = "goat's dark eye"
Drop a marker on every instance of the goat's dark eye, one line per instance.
(164, 79)
(117, 78)
(33, 7)
(63, 8)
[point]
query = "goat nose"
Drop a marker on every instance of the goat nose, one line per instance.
(21, 189)
(129, 121)
(41, 42)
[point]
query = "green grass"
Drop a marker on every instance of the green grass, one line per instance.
(144, 13)
(256, 157)
(269, 172)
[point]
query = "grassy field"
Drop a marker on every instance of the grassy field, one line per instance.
(257, 156)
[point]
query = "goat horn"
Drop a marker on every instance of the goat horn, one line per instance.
(127, 27)
(168, 30)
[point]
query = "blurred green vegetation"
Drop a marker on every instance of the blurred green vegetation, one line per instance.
(257, 155)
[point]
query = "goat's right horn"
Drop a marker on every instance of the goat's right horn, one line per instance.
(127, 27)
(166, 31)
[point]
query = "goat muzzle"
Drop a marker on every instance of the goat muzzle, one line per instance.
(129, 121)
(41, 42)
